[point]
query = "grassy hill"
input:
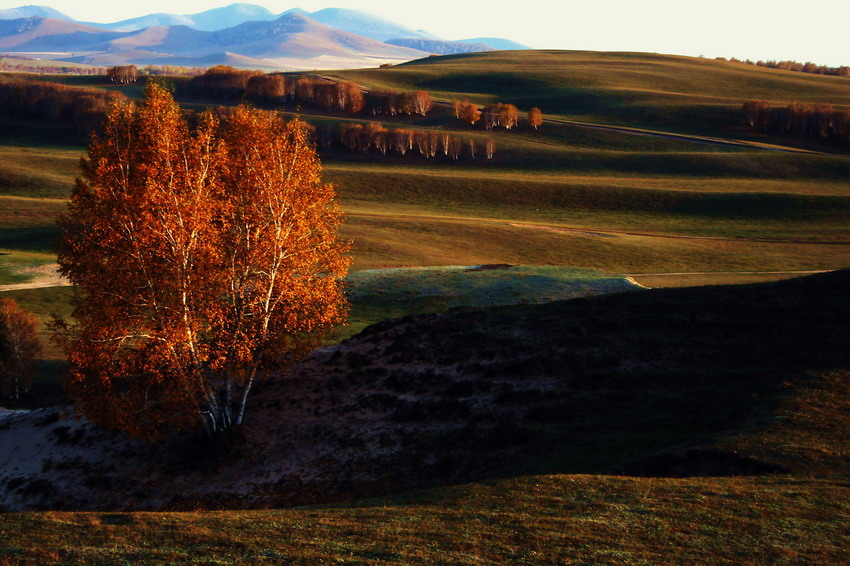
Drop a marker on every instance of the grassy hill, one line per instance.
(566, 194)
(637, 89)
(647, 383)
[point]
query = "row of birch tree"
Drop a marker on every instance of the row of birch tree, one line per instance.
(53, 102)
(227, 83)
(374, 136)
(805, 120)
(494, 115)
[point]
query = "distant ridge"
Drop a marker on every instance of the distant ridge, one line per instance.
(244, 35)
(292, 41)
(496, 43)
(209, 20)
(439, 47)
(31, 11)
(363, 23)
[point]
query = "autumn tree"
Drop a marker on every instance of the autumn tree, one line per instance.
(381, 141)
(757, 113)
(123, 74)
(535, 118)
(19, 347)
(490, 147)
(490, 116)
(499, 114)
(421, 102)
(433, 143)
(205, 259)
(445, 140)
(267, 88)
(455, 147)
(402, 141)
(349, 135)
(470, 113)
(508, 115)
(421, 141)
(351, 97)
(457, 107)
(305, 90)
(222, 82)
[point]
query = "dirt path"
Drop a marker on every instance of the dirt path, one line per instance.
(698, 278)
(43, 276)
(585, 231)
(682, 137)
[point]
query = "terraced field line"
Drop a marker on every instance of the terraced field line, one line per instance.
(582, 230)
(683, 137)
(700, 278)
(793, 272)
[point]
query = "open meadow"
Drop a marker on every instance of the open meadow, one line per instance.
(642, 173)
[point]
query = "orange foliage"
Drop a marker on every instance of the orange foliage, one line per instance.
(54, 102)
(535, 118)
(19, 347)
(205, 260)
(469, 112)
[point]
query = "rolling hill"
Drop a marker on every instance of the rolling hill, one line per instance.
(209, 20)
(338, 38)
(290, 41)
(33, 11)
(48, 34)
(368, 25)
(697, 425)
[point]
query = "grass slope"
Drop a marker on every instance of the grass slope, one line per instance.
(534, 520)
(379, 294)
(756, 369)
(754, 209)
(638, 89)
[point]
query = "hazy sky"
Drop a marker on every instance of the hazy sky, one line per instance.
(814, 30)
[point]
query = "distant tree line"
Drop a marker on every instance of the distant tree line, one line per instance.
(20, 64)
(55, 102)
(494, 115)
(818, 120)
(807, 67)
(125, 74)
(373, 136)
(227, 83)
(171, 71)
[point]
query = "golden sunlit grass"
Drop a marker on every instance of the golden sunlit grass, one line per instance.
(382, 241)
(532, 520)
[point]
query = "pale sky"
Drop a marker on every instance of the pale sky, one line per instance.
(813, 30)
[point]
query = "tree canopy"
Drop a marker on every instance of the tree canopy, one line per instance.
(206, 257)
(19, 347)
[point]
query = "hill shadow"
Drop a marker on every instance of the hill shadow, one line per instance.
(646, 383)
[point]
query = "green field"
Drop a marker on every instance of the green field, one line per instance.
(572, 207)
(547, 193)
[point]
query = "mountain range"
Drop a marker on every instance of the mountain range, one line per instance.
(241, 35)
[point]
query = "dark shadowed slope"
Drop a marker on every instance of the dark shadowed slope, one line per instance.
(697, 381)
